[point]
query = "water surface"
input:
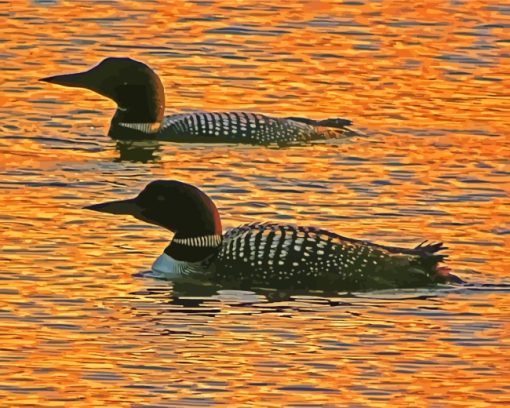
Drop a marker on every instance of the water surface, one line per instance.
(427, 82)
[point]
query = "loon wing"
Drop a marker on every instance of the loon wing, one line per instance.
(425, 252)
(276, 255)
(246, 127)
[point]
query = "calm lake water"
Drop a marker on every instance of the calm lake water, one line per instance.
(429, 84)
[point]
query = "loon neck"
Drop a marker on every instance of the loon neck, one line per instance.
(193, 248)
(127, 122)
(140, 109)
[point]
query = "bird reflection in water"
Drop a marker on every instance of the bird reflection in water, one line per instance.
(138, 151)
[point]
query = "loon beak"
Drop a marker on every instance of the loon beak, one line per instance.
(78, 80)
(124, 207)
(127, 207)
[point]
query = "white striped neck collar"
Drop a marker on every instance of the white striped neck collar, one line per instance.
(142, 127)
(203, 241)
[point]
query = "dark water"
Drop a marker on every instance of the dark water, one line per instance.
(427, 82)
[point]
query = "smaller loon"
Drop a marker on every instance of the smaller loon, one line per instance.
(271, 255)
(140, 99)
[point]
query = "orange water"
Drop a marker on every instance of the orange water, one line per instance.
(429, 84)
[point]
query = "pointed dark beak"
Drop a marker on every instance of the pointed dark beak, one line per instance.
(78, 80)
(128, 207)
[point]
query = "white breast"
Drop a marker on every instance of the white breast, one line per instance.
(166, 267)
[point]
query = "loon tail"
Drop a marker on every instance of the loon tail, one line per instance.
(428, 253)
(430, 260)
(426, 262)
(331, 128)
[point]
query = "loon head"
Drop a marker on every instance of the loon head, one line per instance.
(134, 86)
(179, 207)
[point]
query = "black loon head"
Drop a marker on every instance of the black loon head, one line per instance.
(134, 86)
(180, 208)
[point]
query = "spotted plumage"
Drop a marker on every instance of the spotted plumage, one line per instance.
(271, 255)
(240, 127)
(140, 99)
(288, 256)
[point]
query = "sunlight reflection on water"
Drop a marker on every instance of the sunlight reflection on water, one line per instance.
(428, 84)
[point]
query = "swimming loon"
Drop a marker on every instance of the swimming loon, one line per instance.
(140, 99)
(270, 255)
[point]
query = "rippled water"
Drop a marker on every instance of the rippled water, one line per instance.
(427, 82)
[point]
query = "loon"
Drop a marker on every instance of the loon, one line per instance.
(270, 255)
(140, 98)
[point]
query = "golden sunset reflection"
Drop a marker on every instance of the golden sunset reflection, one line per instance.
(428, 84)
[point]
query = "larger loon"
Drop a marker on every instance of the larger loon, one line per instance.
(270, 255)
(140, 99)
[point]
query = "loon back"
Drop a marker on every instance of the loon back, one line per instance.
(139, 95)
(240, 127)
(286, 256)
